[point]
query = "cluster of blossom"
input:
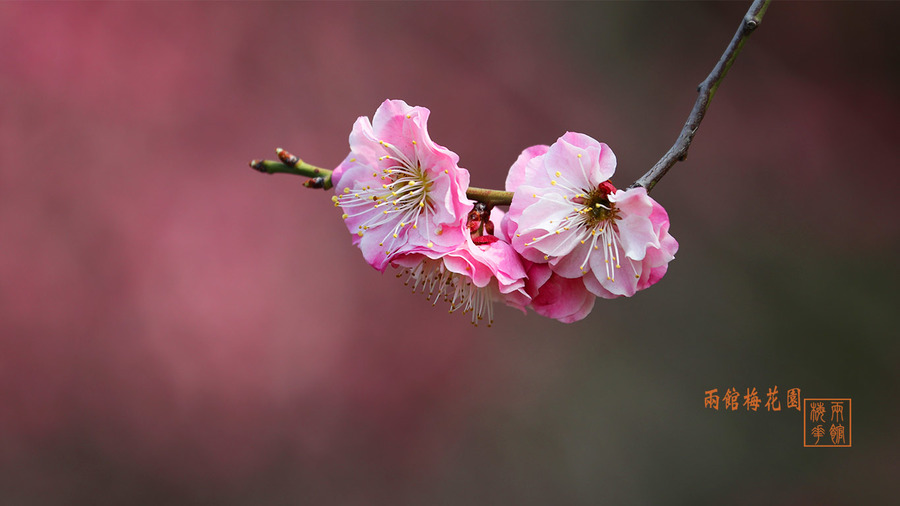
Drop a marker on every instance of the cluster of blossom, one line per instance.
(569, 236)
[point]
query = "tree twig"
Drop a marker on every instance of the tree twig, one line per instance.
(321, 178)
(679, 151)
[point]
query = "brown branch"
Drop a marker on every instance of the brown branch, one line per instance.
(321, 178)
(679, 151)
(492, 197)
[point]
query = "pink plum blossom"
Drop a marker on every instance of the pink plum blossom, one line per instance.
(399, 190)
(471, 277)
(553, 296)
(567, 214)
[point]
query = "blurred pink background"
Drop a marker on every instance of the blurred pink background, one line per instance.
(178, 329)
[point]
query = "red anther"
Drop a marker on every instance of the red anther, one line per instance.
(489, 227)
(485, 239)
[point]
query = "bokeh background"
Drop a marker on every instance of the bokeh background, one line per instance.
(178, 329)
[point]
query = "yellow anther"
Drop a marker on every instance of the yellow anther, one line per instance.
(413, 141)
(422, 204)
(558, 173)
(360, 233)
(579, 155)
(439, 231)
(346, 190)
(546, 257)
(553, 183)
(353, 159)
(395, 236)
(345, 216)
(409, 116)
(582, 241)
(430, 244)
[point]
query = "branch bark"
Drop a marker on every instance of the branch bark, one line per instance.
(707, 89)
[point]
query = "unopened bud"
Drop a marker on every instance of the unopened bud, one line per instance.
(257, 165)
(287, 158)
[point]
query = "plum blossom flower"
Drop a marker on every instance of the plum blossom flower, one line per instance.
(471, 277)
(399, 190)
(567, 214)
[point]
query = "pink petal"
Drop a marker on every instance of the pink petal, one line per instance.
(517, 172)
(556, 297)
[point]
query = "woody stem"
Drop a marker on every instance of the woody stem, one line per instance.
(679, 151)
(321, 178)
(301, 168)
(490, 197)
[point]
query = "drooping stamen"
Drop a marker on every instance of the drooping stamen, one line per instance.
(436, 281)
